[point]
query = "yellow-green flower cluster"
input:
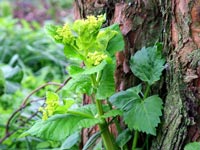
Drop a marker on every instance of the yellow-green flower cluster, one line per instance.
(94, 22)
(89, 26)
(96, 58)
(64, 34)
(49, 109)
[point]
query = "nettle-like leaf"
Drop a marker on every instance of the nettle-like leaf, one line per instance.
(60, 126)
(123, 98)
(139, 114)
(192, 146)
(148, 64)
(107, 83)
(144, 115)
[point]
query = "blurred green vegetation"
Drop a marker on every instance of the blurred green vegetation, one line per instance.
(28, 59)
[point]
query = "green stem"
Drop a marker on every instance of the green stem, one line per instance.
(103, 126)
(136, 134)
(119, 130)
(135, 139)
(147, 91)
(105, 133)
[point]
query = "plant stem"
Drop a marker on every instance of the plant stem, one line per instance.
(119, 130)
(135, 139)
(147, 90)
(103, 126)
(105, 133)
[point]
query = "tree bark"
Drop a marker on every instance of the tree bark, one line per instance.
(175, 23)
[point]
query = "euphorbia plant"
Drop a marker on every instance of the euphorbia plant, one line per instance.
(95, 47)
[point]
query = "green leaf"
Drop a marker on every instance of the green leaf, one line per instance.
(59, 126)
(148, 64)
(139, 114)
(51, 96)
(56, 128)
(92, 140)
(43, 145)
(123, 98)
(117, 42)
(98, 146)
(2, 83)
(112, 113)
(107, 83)
(51, 30)
(61, 109)
(70, 141)
(103, 38)
(143, 115)
(80, 84)
(95, 69)
(70, 52)
(123, 138)
(192, 146)
(74, 70)
(13, 74)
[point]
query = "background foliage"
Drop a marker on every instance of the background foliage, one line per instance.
(28, 59)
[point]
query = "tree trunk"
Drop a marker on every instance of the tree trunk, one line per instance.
(176, 23)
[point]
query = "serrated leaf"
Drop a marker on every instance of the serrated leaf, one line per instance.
(143, 115)
(148, 64)
(192, 146)
(70, 141)
(80, 84)
(123, 138)
(123, 98)
(139, 114)
(59, 126)
(117, 42)
(107, 83)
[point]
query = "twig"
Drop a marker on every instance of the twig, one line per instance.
(39, 88)
(63, 84)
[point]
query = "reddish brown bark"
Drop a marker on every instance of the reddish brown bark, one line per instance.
(176, 23)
